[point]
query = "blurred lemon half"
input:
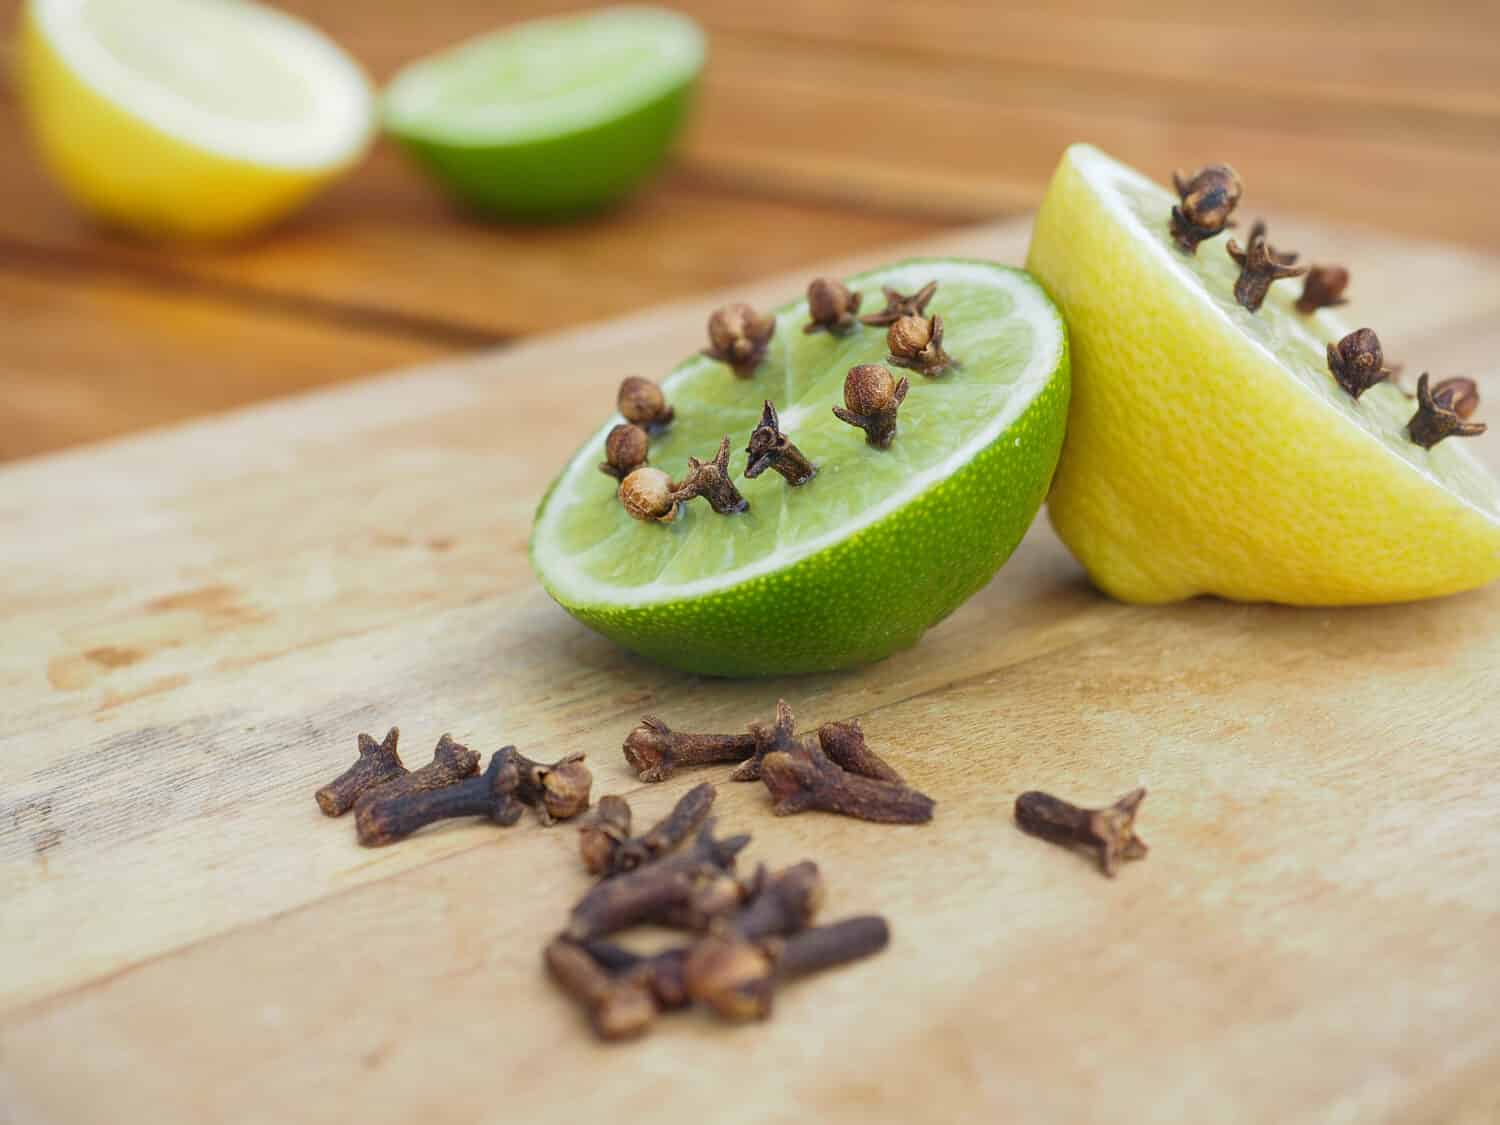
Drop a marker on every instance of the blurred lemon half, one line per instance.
(198, 118)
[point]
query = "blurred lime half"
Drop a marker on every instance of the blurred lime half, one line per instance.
(879, 545)
(554, 117)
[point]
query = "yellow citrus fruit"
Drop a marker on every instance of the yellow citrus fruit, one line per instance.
(177, 117)
(1209, 449)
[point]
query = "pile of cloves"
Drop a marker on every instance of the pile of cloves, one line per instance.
(390, 802)
(1206, 200)
(833, 771)
(748, 935)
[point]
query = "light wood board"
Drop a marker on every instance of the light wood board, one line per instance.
(197, 623)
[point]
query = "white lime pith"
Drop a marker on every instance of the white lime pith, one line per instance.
(879, 545)
(1210, 450)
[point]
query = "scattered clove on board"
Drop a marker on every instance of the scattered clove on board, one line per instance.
(378, 762)
(655, 892)
(805, 778)
(738, 979)
(607, 848)
(451, 762)
(1108, 832)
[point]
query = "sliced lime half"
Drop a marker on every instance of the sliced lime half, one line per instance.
(879, 545)
(552, 117)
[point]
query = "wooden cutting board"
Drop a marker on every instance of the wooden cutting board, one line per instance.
(198, 622)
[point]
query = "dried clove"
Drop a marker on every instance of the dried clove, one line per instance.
(872, 395)
(559, 791)
(1207, 199)
(625, 450)
(769, 448)
(646, 494)
(710, 480)
(641, 401)
(1446, 416)
(805, 778)
(608, 848)
(491, 795)
(1357, 362)
(845, 744)
(1260, 265)
(664, 973)
(917, 345)
(657, 890)
(451, 762)
(738, 979)
(768, 737)
(831, 307)
(599, 840)
(779, 904)
(378, 762)
(899, 304)
(655, 751)
(1109, 832)
(1458, 394)
(619, 1006)
(739, 336)
(1323, 289)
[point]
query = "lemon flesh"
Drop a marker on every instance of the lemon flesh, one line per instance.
(552, 117)
(879, 545)
(1209, 449)
(178, 117)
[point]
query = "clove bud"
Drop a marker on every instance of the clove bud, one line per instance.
(872, 395)
(1444, 416)
(646, 495)
(608, 848)
(805, 778)
(655, 751)
(625, 450)
(917, 345)
(899, 304)
(831, 307)
(1108, 832)
(378, 762)
(1357, 362)
(738, 979)
(1207, 199)
(710, 480)
(641, 401)
(1323, 288)
(739, 336)
(618, 1007)
(658, 889)
(490, 795)
(451, 762)
(1260, 265)
(769, 448)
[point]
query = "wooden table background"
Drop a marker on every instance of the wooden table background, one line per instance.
(823, 129)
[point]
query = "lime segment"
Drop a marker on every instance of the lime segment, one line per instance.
(553, 116)
(924, 523)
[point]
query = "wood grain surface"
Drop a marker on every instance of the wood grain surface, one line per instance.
(199, 621)
(822, 130)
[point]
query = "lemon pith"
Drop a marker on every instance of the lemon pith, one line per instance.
(133, 148)
(1209, 451)
(878, 546)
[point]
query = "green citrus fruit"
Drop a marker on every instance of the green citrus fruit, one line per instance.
(1210, 450)
(554, 117)
(879, 545)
